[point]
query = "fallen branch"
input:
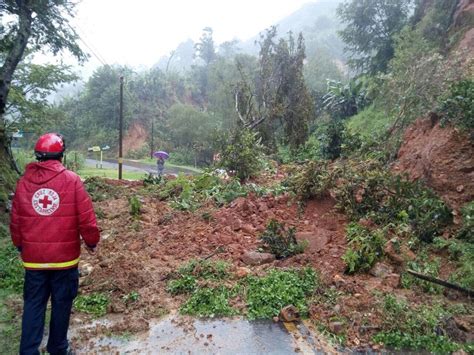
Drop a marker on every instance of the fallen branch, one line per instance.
(219, 249)
(444, 283)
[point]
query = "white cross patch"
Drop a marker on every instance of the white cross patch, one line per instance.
(45, 201)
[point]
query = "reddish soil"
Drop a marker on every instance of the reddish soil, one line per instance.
(135, 137)
(141, 255)
(442, 157)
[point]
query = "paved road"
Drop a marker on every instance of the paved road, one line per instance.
(130, 165)
(212, 336)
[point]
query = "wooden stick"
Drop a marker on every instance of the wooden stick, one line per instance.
(444, 283)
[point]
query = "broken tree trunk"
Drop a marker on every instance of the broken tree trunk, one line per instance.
(444, 283)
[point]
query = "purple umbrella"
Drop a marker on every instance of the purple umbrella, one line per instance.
(161, 154)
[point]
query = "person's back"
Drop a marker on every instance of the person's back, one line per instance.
(51, 211)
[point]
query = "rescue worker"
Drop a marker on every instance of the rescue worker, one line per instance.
(51, 210)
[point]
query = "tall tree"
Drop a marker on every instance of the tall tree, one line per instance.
(369, 31)
(31, 25)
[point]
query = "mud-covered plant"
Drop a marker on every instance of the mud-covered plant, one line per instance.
(100, 190)
(152, 179)
(95, 303)
(408, 328)
(267, 295)
(280, 241)
(135, 206)
(365, 247)
(424, 265)
(312, 180)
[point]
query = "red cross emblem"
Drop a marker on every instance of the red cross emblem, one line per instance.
(45, 201)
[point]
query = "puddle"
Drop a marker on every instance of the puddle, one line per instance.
(177, 335)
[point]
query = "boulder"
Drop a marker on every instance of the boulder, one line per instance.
(256, 258)
(380, 270)
(289, 313)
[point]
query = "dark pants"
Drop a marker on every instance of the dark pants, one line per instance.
(62, 286)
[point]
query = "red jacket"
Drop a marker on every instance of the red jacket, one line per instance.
(51, 210)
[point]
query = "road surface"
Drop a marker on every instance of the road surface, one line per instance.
(131, 165)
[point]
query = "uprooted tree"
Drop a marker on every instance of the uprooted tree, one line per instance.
(29, 26)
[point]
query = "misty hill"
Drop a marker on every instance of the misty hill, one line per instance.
(317, 21)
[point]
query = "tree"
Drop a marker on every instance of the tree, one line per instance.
(279, 99)
(369, 31)
(205, 48)
(35, 25)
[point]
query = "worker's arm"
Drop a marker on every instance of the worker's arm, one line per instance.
(87, 221)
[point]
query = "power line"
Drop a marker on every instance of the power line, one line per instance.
(96, 55)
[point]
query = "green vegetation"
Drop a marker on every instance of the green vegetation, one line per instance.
(110, 173)
(266, 296)
(365, 247)
(94, 303)
(210, 302)
(212, 287)
(406, 327)
(458, 106)
(425, 266)
(135, 206)
(99, 190)
(279, 241)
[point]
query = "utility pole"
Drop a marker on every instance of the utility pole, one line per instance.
(152, 134)
(120, 159)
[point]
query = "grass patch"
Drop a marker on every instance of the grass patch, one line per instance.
(368, 122)
(88, 172)
(95, 304)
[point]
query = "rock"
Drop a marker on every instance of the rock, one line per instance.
(289, 313)
(135, 246)
(85, 269)
(380, 270)
(398, 254)
(338, 281)
(392, 280)
(276, 319)
(460, 188)
(241, 272)
(256, 258)
(237, 225)
(337, 308)
(248, 229)
(117, 307)
(336, 327)
(357, 295)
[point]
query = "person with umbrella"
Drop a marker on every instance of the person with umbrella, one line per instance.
(160, 161)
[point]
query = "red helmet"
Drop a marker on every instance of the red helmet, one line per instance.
(50, 146)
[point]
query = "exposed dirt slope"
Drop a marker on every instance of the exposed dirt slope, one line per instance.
(443, 157)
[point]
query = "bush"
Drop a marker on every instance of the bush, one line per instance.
(365, 248)
(242, 153)
(279, 241)
(312, 180)
(457, 106)
(11, 268)
(135, 206)
(210, 302)
(466, 232)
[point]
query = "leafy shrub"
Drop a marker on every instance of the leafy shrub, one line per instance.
(365, 248)
(242, 153)
(152, 179)
(407, 328)
(210, 302)
(74, 160)
(95, 303)
(466, 232)
(279, 241)
(266, 296)
(457, 107)
(135, 206)
(312, 180)
(464, 275)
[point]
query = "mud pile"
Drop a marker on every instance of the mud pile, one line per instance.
(441, 156)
